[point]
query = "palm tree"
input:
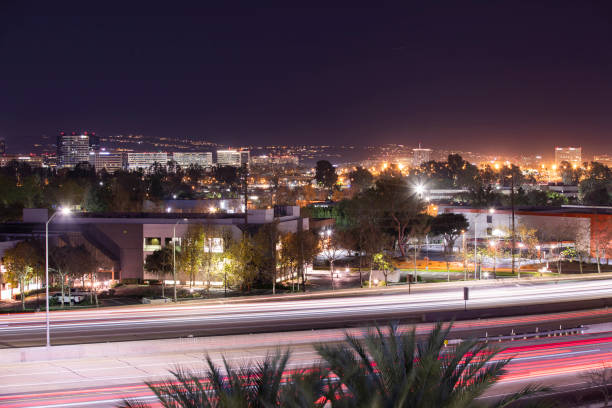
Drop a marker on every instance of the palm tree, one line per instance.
(394, 369)
(252, 387)
(387, 369)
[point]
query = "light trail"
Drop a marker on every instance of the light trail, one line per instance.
(550, 361)
(179, 320)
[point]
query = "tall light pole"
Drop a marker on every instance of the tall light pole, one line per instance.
(63, 211)
(174, 255)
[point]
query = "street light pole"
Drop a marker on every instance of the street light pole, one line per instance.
(174, 256)
(64, 211)
(475, 244)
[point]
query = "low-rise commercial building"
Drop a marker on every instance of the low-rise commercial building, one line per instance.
(143, 161)
(186, 159)
(106, 160)
(123, 240)
(234, 158)
(587, 228)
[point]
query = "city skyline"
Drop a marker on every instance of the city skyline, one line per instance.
(466, 76)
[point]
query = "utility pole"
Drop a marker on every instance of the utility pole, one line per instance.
(245, 185)
(475, 244)
(300, 237)
(513, 226)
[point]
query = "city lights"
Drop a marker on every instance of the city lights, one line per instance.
(297, 173)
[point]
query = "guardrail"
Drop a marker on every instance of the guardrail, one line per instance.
(526, 336)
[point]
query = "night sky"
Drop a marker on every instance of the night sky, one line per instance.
(484, 75)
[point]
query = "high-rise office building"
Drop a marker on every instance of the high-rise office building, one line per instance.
(420, 156)
(74, 148)
(143, 161)
(234, 158)
(186, 159)
(573, 155)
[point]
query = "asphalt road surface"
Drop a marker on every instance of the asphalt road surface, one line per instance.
(556, 362)
(171, 321)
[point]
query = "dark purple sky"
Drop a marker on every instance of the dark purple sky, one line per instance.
(490, 76)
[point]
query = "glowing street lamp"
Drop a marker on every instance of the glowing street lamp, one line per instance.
(419, 189)
(65, 211)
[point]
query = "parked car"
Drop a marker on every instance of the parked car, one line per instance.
(73, 298)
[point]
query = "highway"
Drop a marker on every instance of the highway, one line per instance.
(556, 362)
(192, 319)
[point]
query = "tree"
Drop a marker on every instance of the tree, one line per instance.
(601, 233)
(483, 197)
(20, 262)
(227, 175)
(569, 174)
(382, 262)
(361, 179)
(596, 186)
(600, 379)
(63, 264)
(511, 175)
(192, 252)
(213, 238)
(80, 264)
(298, 249)
(449, 226)
(160, 263)
(463, 173)
(325, 176)
(528, 243)
(365, 225)
(264, 243)
(397, 206)
(389, 368)
(243, 261)
(98, 198)
(261, 386)
(331, 250)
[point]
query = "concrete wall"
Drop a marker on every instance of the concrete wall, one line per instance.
(129, 239)
(40, 215)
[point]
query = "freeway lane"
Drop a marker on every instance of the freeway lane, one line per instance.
(104, 383)
(171, 321)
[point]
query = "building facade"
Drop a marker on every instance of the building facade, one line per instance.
(605, 159)
(420, 156)
(589, 229)
(186, 159)
(572, 155)
(143, 161)
(265, 160)
(34, 161)
(106, 160)
(234, 158)
(124, 240)
(72, 149)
